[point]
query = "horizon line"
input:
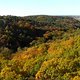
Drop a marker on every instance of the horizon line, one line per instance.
(36, 15)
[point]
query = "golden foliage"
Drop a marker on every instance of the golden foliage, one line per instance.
(68, 43)
(76, 78)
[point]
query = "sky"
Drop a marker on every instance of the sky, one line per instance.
(39, 7)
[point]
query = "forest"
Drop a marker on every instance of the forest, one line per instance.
(39, 47)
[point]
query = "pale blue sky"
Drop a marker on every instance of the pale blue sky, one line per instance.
(39, 7)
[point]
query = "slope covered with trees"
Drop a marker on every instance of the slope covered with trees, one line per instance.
(39, 48)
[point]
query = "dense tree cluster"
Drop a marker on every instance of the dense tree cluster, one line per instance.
(39, 48)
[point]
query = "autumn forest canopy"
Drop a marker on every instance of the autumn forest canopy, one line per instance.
(39, 47)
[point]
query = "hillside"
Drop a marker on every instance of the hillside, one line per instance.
(39, 48)
(21, 31)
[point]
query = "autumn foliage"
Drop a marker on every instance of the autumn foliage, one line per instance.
(52, 55)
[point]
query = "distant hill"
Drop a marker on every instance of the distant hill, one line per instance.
(44, 20)
(54, 21)
(22, 31)
(76, 17)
